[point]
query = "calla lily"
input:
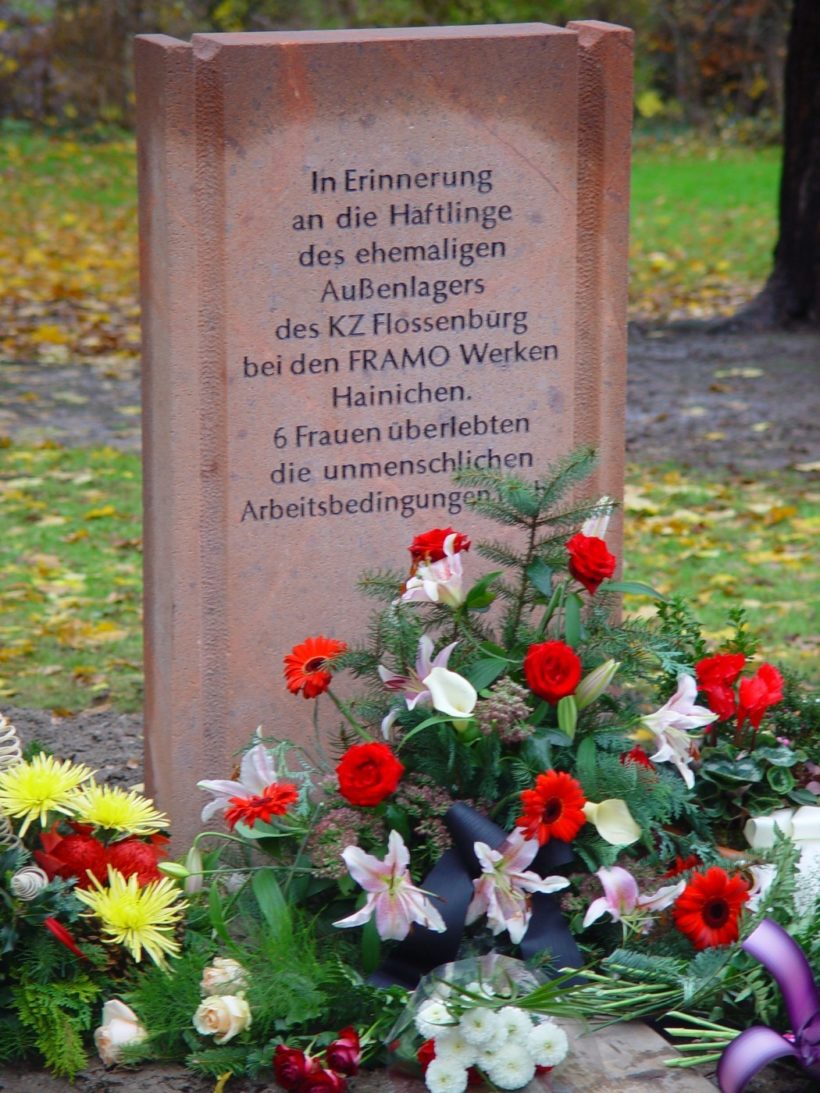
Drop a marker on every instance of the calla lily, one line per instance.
(502, 891)
(438, 582)
(451, 693)
(412, 686)
(392, 897)
(613, 821)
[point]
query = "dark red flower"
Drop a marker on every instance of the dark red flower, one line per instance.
(131, 856)
(322, 1081)
(368, 773)
(429, 547)
(590, 562)
(757, 694)
(637, 755)
(291, 1066)
(305, 665)
(716, 676)
(552, 670)
(273, 801)
(74, 855)
(425, 1054)
(682, 865)
(344, 1055)
(554, 809)
(63, 936)
(708, 910)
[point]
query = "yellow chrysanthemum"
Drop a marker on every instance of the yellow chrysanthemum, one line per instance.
(42, 785)
(138, 918)
(118, 810)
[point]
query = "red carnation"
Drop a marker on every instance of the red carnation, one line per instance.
(291, 1066)
(552, 670)
(757, 694)
(306, 665)
(70, 856)
(429, 547)
(344, 1054)
(590, 561)
(637, 755)
(554, 809)
(131, 856)
(716, 675)
(368, 773)
(708, 910)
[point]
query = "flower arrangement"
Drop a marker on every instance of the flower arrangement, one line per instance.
(519, 776)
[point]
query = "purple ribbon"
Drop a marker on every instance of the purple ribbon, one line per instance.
(755, 1048)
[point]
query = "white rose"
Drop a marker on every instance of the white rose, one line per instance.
(120, 1026)
(224, 972)
(222, 1017)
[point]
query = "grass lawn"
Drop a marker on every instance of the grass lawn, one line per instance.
(70, 566)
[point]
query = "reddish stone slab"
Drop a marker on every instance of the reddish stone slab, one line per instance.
(367, 257)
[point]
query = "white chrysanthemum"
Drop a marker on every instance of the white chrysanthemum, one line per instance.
(516, 1021)
(548, 1044)
(444, 1076)
(453, 1046)
(487, 1055)
(433, 1018)
(481, 1026)
(513, 1068)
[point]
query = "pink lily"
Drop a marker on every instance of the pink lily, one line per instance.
(392, 896)
(502, 891)
(438, 582)
(256, 773)
(622, 899)
(672, 723)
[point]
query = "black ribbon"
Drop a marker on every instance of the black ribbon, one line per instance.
(450, 884)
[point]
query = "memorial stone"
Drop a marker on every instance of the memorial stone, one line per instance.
(369, 258)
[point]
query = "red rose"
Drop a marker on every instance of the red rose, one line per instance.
(368, 773)
(429, 547)
(344, 1055)
(323, 1081)
(757, 694)
(552, 669)
(716, 676)
(131, 856)
(291, 1066)
(589, 561)
(70, 856)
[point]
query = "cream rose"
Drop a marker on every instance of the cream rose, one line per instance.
(223, 1017)
(120, 1026)
(224, 972)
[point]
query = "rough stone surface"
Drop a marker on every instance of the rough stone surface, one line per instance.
(290, 216)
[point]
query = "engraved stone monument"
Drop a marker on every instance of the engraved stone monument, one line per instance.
(369, 258)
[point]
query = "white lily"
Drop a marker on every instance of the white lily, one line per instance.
(256, 773)
(595, 527)
(672, 724)
(438, 582)
(391, 895)
(613, 821)
(502, 891)
(451, 693)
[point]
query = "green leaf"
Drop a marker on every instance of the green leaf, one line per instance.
(802, 796)
(738, 771)
(484, 672)
(371, 946)
(271, 902)
(540, 576)
(436, 719)
(585, 765)
(216, 914)
(778, 757)
(572, 619)
(568, 716)
(481, 595)
(780, 779)
(536, 752)
(635, 588)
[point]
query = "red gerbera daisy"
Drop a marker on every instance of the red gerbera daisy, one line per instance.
(708, 910)
(274, 801)
(554, 809)
(305, 665)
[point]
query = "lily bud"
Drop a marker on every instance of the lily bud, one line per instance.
(593, 685)
(193, 863)
(173, 869)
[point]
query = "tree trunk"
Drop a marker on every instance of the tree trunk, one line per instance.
(793, 289)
